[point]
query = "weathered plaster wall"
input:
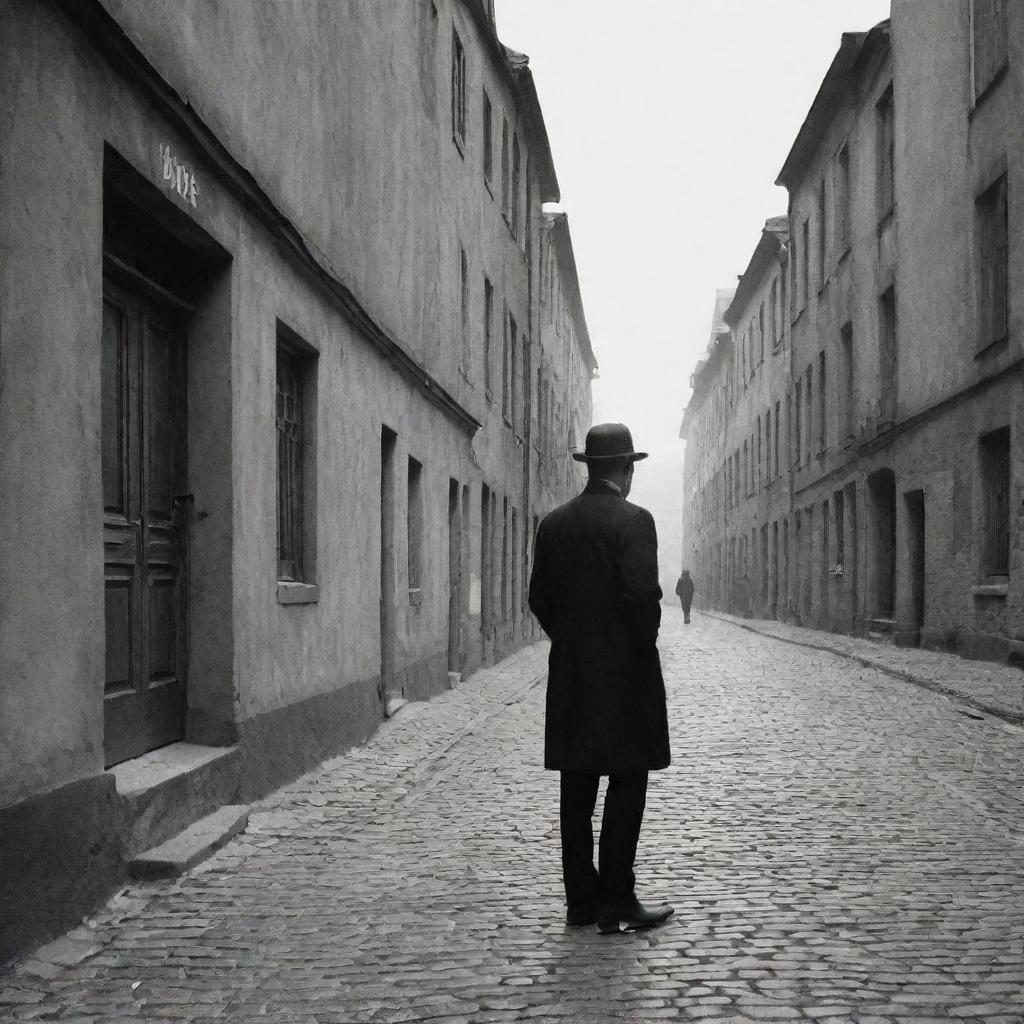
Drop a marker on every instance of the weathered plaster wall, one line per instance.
(51, 606)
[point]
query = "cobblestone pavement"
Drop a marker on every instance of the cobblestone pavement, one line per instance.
(839, 845)
(984, 685)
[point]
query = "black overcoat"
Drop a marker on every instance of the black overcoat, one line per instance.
(594, 589)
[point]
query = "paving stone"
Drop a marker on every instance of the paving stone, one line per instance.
(840, 846)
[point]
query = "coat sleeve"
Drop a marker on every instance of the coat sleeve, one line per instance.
(638, 573)
(540, 584)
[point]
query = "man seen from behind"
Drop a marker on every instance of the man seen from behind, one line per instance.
(594, 589)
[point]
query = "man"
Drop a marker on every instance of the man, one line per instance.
(684, 591)
(594, 590)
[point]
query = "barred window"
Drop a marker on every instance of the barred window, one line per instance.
(414, 527)
(295, 421)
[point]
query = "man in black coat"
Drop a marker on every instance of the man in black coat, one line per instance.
(594, 590)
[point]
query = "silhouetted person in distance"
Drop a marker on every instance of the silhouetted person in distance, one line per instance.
(684, 591)
(594, 589)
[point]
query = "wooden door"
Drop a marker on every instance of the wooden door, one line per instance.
(144, 473)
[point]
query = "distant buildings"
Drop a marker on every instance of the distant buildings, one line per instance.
(856, 464)
(290, 362)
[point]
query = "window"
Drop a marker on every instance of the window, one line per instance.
(458, 92)
(822, 236)
(760, 332)
(773, 314)
(757, 469)
(504, 168)
(838, 510)
(988, 42)
(841, 198)
(822, 404)
(810, 411)
(296, 458)
(514, 198)
(993, 294)
(995, 481)
(783, 309)
(794, 291)
(797, 436)
(510, 339)
(888, 364)
(746, 469)
(768, 444)
(487, 130)
(886, 154)
(488, 329)
(414, 526)
(504, 559)
(518, 405)
(805, 250)
(528, 218)
(848, 381)
(778, 430)
(464, 309)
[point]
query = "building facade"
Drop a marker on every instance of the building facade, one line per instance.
(273, 338)
(896, 406)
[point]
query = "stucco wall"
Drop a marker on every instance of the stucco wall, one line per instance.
(51, 607)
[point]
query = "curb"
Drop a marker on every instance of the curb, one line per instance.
(1011, 717)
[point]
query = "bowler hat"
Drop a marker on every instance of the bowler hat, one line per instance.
(608, 441)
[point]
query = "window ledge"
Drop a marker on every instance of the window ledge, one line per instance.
(991, 347)
(490, 187)
(289, 592)
(885, 217)
(990, 589)
(416, 595)
(841, 258)
(459, 144)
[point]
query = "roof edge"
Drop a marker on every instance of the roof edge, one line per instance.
(567, 268)
(850, 58)
(773, 237)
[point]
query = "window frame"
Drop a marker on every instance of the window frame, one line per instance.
(296, 467)
(458, 72)
(487, 131)
(991, 205)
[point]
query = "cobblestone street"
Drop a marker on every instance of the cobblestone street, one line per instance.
(839, 845)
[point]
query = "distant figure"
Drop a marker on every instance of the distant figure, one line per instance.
(684, 591)
(594, 590)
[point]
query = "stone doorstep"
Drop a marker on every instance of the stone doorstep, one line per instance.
(191, 846)
(167, 790)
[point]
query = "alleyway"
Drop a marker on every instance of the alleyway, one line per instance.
(839, 845)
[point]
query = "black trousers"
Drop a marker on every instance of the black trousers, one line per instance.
(612, 880)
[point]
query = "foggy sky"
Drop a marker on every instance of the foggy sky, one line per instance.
(669, 121)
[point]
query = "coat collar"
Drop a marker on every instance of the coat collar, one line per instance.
(596, 485)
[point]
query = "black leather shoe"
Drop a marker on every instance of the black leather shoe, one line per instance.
(578, 917)
(633, 914)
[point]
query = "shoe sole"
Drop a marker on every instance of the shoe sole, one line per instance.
(612, 927)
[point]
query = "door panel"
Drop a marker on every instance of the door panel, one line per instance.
(144, 465)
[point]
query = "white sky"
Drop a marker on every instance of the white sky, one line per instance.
(669, 121)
